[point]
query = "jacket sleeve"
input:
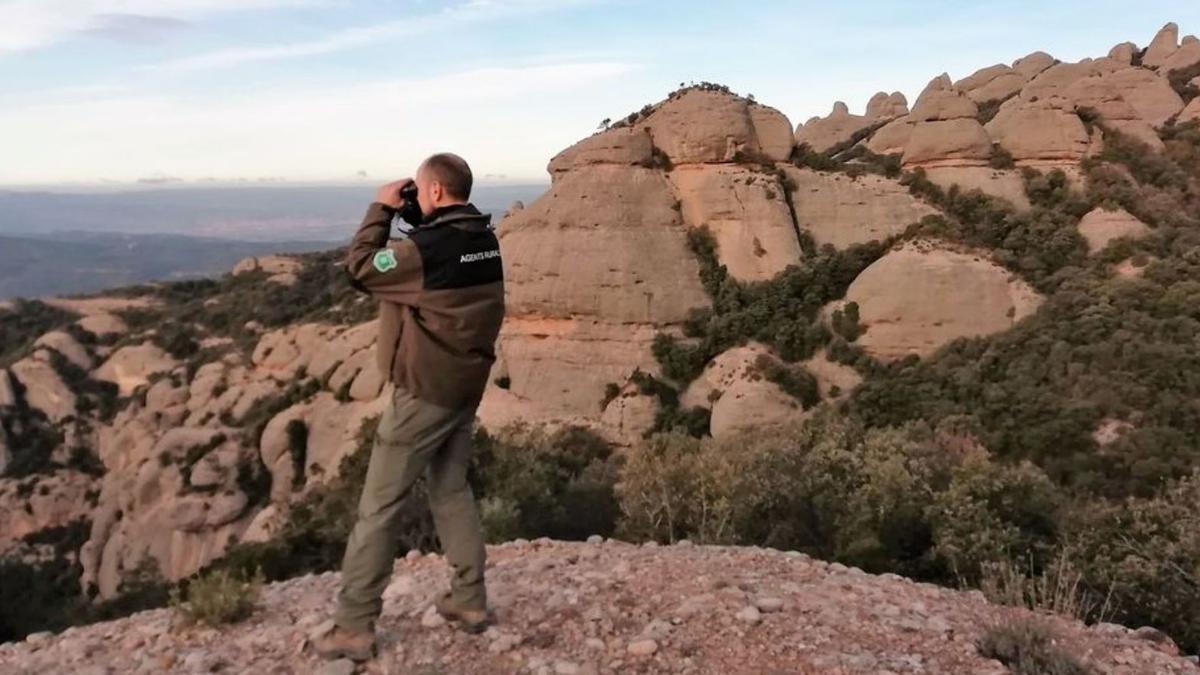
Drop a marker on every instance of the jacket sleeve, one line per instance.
(389, 270)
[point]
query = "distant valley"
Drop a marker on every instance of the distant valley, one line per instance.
(71, 242)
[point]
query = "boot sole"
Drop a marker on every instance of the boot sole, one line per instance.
(473, 628)
(358, 656)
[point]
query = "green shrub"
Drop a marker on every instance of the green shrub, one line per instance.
(829, 488)
(781, 312)
(991, 512)
(794, 380)
(987, 112)
(1001, 158)
(539, 484)
(1029, 646)
(177, 340)
(32, 439)
(260, 413)
(500, 518)
(1181, 81)
(297, 444)
(218, 598)
(846, 322)
(25, 322)
(670, 416)
(1145, 554)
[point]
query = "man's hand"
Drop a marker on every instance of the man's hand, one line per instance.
(389, 194)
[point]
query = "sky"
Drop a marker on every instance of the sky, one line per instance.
(127, 91)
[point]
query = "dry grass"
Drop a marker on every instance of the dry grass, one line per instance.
(1057, 589)
(1029, 646)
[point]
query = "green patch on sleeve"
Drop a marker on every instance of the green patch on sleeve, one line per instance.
(385, 260)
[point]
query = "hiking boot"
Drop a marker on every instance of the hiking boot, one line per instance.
(340, 643)
(472, 621)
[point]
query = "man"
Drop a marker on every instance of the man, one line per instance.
(441, 302)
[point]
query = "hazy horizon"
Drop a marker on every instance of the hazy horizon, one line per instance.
(252, 213)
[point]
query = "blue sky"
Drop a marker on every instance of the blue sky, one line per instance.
(312, 90)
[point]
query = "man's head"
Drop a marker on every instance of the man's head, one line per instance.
(442, 180)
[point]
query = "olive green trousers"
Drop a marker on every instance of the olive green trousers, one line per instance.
(414, 439)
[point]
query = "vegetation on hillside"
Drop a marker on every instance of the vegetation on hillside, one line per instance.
(1028, 401)
(26, 321)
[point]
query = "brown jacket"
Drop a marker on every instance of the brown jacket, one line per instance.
(441, 301)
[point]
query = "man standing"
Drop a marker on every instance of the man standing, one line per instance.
(441, 302)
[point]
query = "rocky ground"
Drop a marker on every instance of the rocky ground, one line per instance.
(606, 607)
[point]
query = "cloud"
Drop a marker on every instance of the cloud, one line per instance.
(349, 38)
(379, 127)
(135, 28)
(30, 24)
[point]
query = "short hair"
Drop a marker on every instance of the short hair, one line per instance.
(452, 172)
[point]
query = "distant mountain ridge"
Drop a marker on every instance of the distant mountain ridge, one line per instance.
(257, 213)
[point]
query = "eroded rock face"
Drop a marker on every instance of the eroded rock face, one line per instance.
(923, 295)
(1005, 184)
(1039, 132)
(559, 368)
(740, 398)
(1162, 47)
(624, 146)
(279, 269)
(44, 388)
(1033, 64)
(824, 133)
(39, 502)
(891, 138)
(1100, 226)
(883, 106)
(599, 229)
(131, 367)
(747, 213)
(1191, 112)
(993, 83)
(1186, 56)
(67, 346)
(172, 496)
(1123, 52)
(698, 127)
(945, 131)
(844, 211)
(103, 324)
(957, 142)
(942, 101)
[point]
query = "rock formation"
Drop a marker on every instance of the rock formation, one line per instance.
(840, 127)
(131, 367)
(599, 264)
(279, 269)
(923, 294)
(1100, 226)
(838, 210)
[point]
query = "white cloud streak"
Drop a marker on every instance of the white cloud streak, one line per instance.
(31, 24)
(471, 11)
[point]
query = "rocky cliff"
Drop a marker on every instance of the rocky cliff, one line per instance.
(699, 264)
